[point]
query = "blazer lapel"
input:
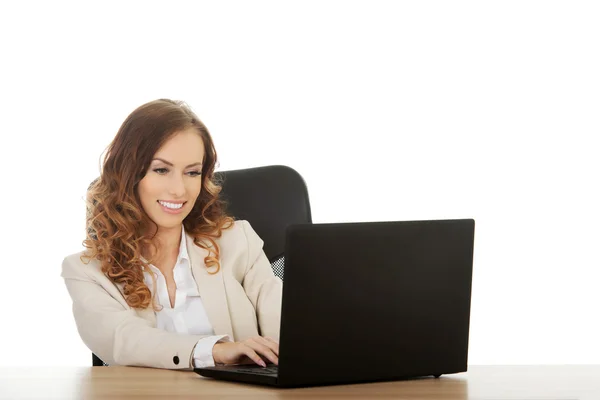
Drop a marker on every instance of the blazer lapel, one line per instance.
(146, 313)
(212, 290)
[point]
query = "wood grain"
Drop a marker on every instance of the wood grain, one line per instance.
(480, 382)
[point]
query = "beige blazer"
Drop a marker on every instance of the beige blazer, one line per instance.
(242, 300)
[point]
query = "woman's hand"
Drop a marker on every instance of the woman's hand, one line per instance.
(251, 350)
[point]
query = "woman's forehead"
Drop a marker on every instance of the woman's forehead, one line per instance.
(182, 149)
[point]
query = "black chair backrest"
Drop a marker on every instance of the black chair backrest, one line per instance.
(270, 198)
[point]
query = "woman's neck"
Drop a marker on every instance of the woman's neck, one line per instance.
(167, 243)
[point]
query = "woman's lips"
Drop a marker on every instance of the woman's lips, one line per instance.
(171, 210)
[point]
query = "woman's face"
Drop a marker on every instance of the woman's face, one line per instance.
(173, 181)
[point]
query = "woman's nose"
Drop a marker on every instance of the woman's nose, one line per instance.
(177, 187)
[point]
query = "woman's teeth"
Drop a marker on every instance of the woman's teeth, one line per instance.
(173, 206)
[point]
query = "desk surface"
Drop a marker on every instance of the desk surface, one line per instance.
(480, 382)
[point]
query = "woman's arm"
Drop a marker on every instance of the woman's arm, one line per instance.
(114, 332)
(262, 287)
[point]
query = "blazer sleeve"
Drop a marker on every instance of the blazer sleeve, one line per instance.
(262, 287)
(114, 332)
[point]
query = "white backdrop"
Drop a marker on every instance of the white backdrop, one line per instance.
(390, 110)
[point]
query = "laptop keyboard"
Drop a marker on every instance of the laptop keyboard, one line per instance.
(271, 370)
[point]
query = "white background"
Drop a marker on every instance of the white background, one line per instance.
(390, 111)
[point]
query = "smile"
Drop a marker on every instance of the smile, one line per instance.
(171, 206)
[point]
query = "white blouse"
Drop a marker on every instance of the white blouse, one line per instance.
(188, 316)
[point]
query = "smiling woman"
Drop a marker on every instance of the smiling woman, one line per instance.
(167, 274)
(147, 163)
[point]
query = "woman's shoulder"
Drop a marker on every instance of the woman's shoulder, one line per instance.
(239, 244)
(77, 266)
(240, 233)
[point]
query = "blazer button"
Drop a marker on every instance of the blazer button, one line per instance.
(176, 360)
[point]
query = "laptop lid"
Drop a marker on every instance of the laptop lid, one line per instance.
(375, 301)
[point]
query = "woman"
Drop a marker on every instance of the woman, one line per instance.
(167, 279)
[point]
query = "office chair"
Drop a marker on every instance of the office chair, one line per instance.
(270, 198)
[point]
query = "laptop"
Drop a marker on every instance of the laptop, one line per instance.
(370, 301)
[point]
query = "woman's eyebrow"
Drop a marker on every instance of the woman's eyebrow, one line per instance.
(171, 164)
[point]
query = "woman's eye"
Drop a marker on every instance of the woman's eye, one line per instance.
(163, 171)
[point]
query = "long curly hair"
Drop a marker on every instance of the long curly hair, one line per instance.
(118, 228)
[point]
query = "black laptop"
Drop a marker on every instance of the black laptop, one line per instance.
(370, 301)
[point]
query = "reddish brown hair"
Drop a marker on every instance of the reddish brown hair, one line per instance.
(117, 225)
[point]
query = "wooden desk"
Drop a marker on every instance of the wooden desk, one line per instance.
(480, 382)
